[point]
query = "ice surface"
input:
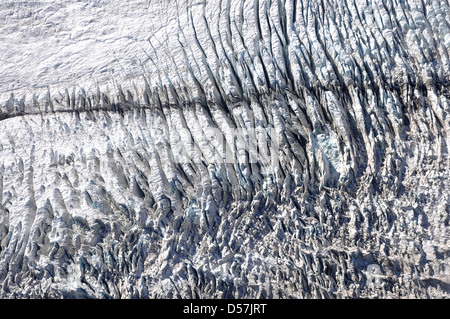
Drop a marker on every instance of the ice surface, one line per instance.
(218, 149)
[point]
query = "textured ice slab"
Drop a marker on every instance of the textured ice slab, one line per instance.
(252, 149)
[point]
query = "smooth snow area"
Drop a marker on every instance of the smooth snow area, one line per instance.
(69, 44)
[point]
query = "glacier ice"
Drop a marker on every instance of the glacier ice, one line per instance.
(224, 149)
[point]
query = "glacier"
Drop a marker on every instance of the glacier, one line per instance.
(225, 149)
